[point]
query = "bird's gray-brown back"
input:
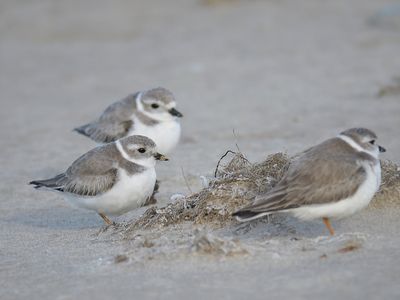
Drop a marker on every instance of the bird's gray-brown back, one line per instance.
(328, 172)
(93, 173)
(121, 110)
(114, 123)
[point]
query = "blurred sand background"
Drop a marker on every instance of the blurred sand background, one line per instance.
(282, 74)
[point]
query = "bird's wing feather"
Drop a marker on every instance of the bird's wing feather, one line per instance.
(312, 181)
(93, 173)
(106, 131)
(114, 123)
(120, 110)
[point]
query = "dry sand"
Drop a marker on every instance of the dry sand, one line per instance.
(283, 74)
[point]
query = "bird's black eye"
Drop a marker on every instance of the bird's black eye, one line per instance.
(155, 105)
(372, 142)
(141, 150)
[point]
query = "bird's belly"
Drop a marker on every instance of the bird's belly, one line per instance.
(165, 134)
(130, 192)
(345, 207)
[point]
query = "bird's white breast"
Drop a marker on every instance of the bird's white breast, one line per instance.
(165, 134)
(129, 192)
(348, 206)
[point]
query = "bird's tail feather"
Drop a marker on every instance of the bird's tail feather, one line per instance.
(52, 183)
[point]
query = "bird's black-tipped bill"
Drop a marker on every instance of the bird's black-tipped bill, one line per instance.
(381, 149)
(159, 156)
(175, 113)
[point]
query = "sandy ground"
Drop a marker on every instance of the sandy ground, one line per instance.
(282, 74)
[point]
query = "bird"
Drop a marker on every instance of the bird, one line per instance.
(151, 113)
(110, 179)
(333, 179)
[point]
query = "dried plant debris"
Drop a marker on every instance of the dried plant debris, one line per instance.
(350, 247)
(235, 185)
(389, 192)
(120, 258)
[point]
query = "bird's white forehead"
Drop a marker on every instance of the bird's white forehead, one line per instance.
(133, 146)
(171, 105)
(368, 138)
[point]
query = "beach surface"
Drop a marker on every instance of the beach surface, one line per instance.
(258, 77)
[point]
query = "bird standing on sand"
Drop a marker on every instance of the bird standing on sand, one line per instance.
(111, 179)
(150, 113)
(334, 179)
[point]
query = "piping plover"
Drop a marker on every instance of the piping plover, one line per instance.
(111, 179)
(331, 180)
(150, 113)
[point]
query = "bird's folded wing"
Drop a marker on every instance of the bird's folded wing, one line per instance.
(106, 131)
(92, 174)
(121, 110)
(114, 123)
(316, 181)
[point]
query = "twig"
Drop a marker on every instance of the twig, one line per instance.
(222, 157)
(237, 145)
(186, 181)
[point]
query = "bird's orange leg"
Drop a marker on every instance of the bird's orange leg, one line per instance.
(107, 220)
(328, 225)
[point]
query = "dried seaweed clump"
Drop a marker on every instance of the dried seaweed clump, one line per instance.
(389, 193)
(234, 186)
